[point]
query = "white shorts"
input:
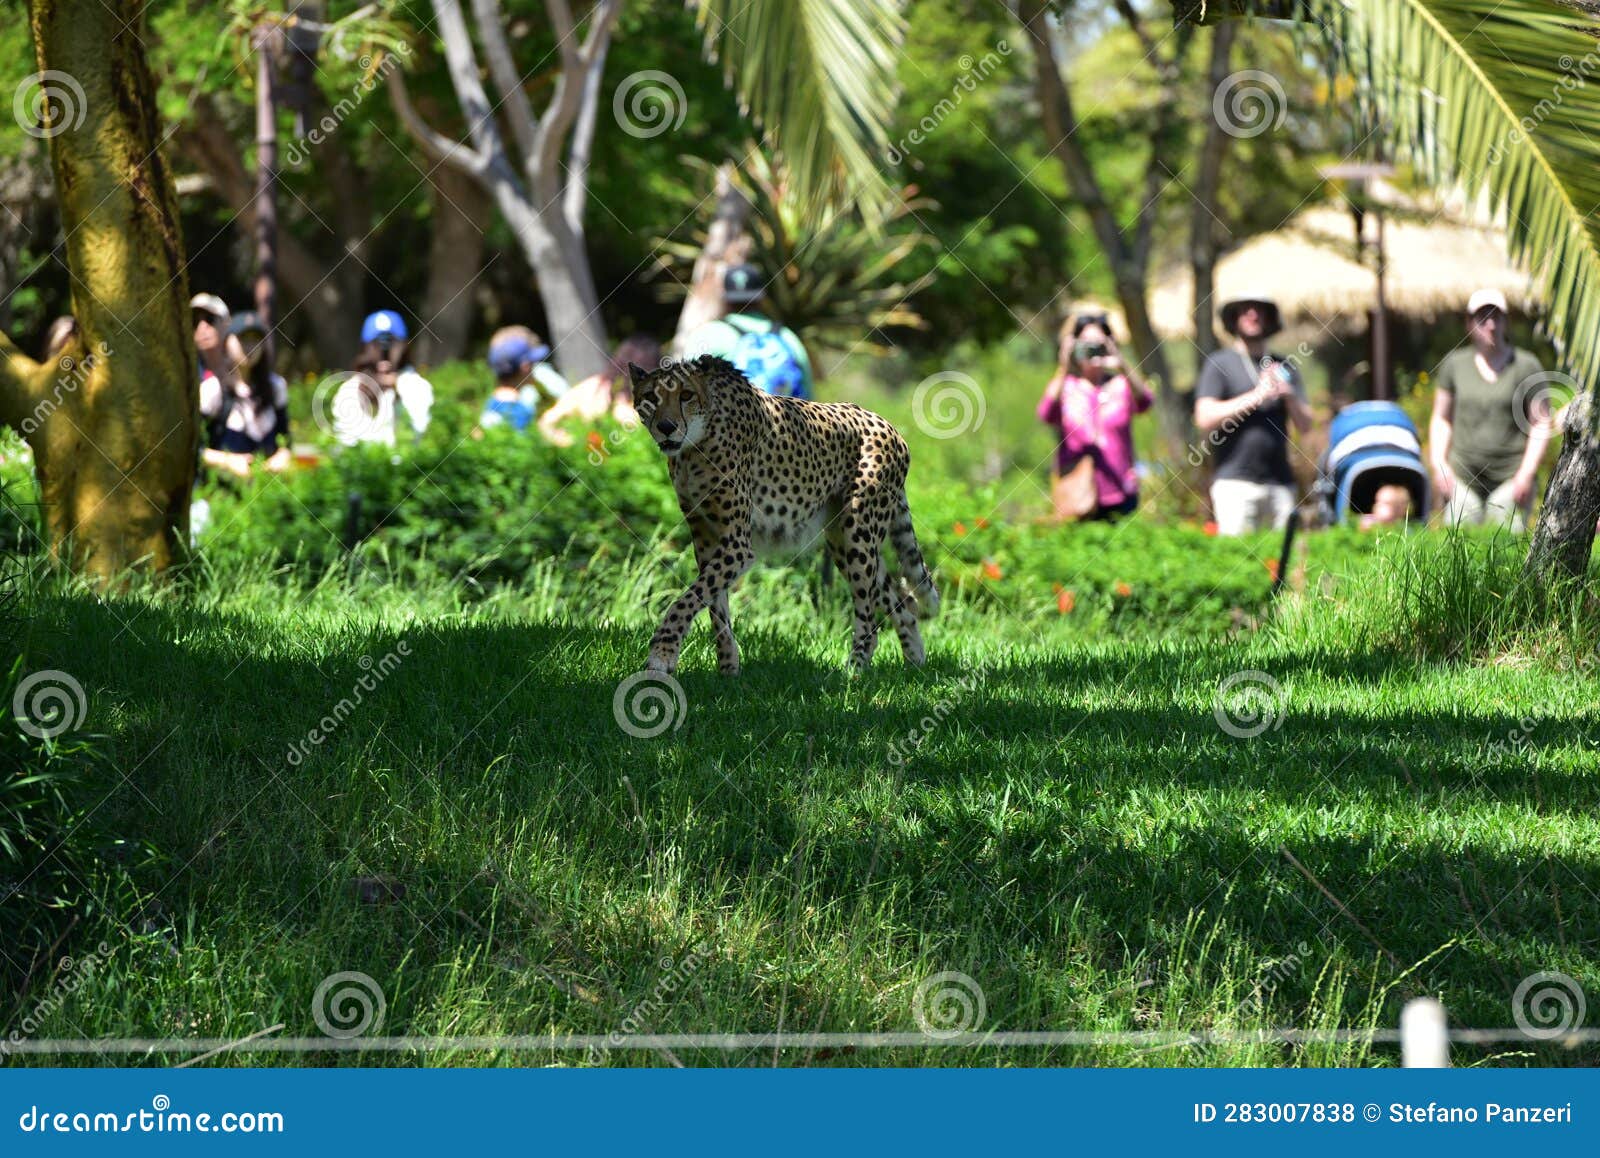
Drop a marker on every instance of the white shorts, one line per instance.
(1468, 506)
(1241, 507)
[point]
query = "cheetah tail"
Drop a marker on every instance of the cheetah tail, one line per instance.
(915, 577)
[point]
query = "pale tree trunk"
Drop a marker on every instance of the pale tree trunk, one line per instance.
(455, 259)
(1205, 230)
(539, 191)
(1563, 540)
(1127, 252)
(113, 425)
(727, 244)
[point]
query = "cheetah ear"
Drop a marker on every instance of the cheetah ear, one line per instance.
(636, 374)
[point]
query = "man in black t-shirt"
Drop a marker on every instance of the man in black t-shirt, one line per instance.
(1245, 402)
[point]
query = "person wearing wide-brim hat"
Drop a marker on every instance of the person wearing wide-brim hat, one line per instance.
(1491, 422)
(1246, 400)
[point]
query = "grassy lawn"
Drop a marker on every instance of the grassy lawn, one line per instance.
(409, 764)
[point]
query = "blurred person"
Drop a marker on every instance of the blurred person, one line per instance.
(1246, 400)
(1392, 504)
(1491, 424)
(526, 385)
(369, 405)
(61, 331)
(219, 350)
(248, 418)
(606, 393)
(1090, 403)
(770, 355)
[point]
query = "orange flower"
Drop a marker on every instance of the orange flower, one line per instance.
(982, 524)
(961, 528)
(1123, 589)
(1272, 568)
(1065, 601)
(991, 569)
(596, 440)
(1210, 528)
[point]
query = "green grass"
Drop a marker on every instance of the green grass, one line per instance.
(1053, 812)
(1051, 807)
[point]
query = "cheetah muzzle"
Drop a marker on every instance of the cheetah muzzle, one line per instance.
(753, 471)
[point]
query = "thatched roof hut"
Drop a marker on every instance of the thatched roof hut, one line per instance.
(1436, 259)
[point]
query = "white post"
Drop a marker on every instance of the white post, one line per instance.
(1424, 1035)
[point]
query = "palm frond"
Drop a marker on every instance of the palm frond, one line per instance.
(1498, 97)
(837, 274)
(819, 76)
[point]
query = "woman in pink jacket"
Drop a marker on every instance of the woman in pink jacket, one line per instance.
(1091, 402)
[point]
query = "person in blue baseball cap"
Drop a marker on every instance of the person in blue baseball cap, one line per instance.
(525, 384)
(384, 386)
(771, 355)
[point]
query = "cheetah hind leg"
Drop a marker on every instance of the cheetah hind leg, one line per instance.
(727, 646)
(864, 584)
(899, 603)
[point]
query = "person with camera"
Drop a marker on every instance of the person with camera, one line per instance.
(247, 416)
(1245, 402)
(369, 404)
(1091, 402)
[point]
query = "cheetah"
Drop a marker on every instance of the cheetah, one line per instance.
(757, 472)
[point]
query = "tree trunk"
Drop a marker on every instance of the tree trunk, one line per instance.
(727, 244)
(1563, 540)
(326, 293)
(113, 425)
(1204, 227)
(455, 259)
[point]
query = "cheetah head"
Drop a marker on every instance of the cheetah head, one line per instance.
(674, 404)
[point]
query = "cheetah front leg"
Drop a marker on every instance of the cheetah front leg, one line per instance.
(719, 567)
(855, 552)
(705, 536)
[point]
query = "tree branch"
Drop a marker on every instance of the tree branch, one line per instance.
(20, 378)
(577, 64)
(436, 145)
(1125, 7)
(1163, 142)
(575, 194)
(491, 31)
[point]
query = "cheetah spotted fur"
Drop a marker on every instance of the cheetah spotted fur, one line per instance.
(756, 472)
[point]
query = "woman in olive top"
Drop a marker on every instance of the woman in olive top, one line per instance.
(1491, 422)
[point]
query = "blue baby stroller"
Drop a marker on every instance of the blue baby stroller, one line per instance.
(1371, 445)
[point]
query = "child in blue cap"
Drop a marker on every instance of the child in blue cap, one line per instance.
(525, 384)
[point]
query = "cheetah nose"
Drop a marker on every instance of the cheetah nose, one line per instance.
(666, 425)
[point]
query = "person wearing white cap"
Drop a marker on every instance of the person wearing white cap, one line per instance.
(1245, 402)
(220, 352)
(1491, 423)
